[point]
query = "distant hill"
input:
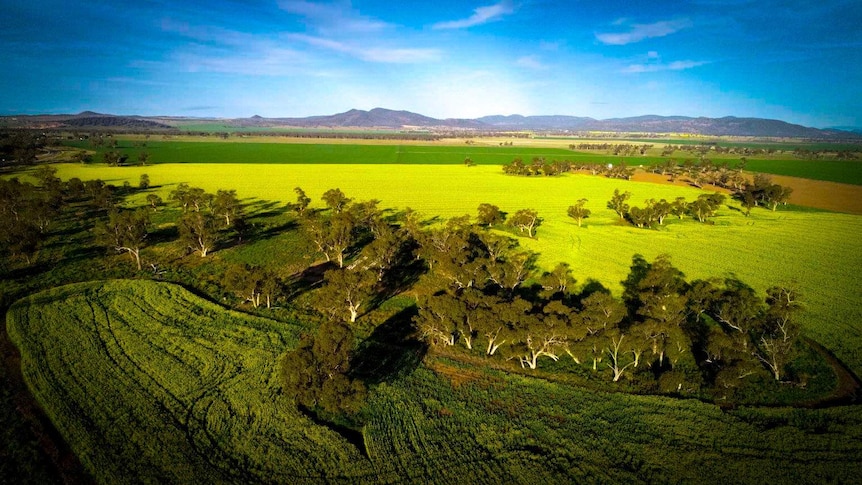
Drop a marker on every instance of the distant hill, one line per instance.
(107, 121)
(382, 118)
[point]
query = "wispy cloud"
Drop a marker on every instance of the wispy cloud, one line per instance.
(656, 67)
(639, 32)
(265, 62)
(481, 15)
(207, 33)
(332, 16)
(371, 54)
(531, 62)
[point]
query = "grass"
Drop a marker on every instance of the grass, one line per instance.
(848, 172)
(145, 380)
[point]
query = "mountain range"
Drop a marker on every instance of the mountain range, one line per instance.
(381, 118)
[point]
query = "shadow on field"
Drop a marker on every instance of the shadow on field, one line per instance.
(391, 351)
(306, 280)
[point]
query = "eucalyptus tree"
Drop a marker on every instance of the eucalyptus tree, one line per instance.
(578, 212)
(317, 372)
(126, 232)
(198, 232)
(619, 204)
(526, 220)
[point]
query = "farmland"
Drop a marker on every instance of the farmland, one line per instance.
(819, 251)
(154, 367)
(146, 380)
(261, 151)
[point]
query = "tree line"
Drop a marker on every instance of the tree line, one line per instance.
(684, 334)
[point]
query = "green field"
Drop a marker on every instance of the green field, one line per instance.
(149, 383)
(818, 251)
(299, 153)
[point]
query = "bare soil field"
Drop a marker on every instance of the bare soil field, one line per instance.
(819, 194)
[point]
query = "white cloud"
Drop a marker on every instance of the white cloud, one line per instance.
(371, 54)
(481, 15)
(332, 17)
(656, 67)
(531, 62)
(639, 32)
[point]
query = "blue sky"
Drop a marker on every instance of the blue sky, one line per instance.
(799, 61)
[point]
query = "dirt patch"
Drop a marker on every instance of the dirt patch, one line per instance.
(847, 390)
(823, 195)
(458, 376)
(819, 194)
(654, 178)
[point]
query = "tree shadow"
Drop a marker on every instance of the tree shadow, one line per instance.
(639, 269)
(352, 435)
(306, 280)
(391, 351)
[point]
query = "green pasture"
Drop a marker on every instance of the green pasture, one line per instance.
(820, 252)
(151, 384)
(299, 153)
(843, 171)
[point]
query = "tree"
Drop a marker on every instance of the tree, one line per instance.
(705, 206)
(492, 319)
(775, 337)
(191, 198)
(776, 194)
(537, 337)
(113, 158)
(618, 203)
(578, 212)
(271, 288)
(126, 232)
(226, 205)
(737, 307)
(20, 236)
(558, 280)
(526, 220)
(143, 157)
(317, 373)
(489, 215)
(660, 209)
(47, 176)
(512, 271)
(154, 201)
(246, 282)
(345, 293)
(332, 236)
(383, 252)
(679, 207)
(42, 210)
(144, 183)
(783, 304)
(336, 200)
(662, 308)
(600, 312)
(435, 318)
(198, 232)
(302, 200)
(748, 200)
